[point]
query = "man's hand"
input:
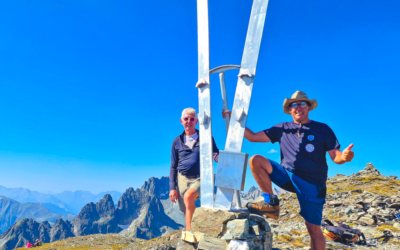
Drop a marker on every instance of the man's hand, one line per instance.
(347, 154)
(173, 195)
(224, 113)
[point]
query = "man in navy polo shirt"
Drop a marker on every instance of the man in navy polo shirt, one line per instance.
(184, 176)
(303, 169)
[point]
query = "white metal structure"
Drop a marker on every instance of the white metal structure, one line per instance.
(232, 164)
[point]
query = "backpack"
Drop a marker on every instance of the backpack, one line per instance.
(342, 233)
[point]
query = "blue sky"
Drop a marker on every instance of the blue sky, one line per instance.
(91, 92)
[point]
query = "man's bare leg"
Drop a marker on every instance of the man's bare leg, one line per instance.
(189, 200)
(317, 237)
(261, 168)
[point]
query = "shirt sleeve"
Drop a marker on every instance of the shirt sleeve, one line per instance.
(215, 150)
(331, 142)
(274, 133)
(173, 169)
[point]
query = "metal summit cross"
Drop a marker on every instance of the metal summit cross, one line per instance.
(232, 164)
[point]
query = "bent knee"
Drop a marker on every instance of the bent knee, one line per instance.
(190, 197)
(257, 161)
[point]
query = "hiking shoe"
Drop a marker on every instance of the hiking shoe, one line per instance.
(270, 209)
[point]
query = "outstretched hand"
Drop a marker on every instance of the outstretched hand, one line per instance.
(224, 113)
(348, 154)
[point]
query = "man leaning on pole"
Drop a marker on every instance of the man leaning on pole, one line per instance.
(184, 176)
(303, 169)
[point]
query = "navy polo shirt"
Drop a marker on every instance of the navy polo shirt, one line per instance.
(305, 156)
(186, 160)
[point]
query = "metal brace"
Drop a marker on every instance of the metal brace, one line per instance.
(246, 72)
(204, 118)
(202, 82)
(239, 114)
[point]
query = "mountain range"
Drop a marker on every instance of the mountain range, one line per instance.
(67, 202)
(144, 213)
(12, 211)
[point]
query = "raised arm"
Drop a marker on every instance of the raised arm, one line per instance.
(342, 157)
(248, 134)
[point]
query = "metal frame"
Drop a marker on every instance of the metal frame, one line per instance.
(226, 183)
(206, 164)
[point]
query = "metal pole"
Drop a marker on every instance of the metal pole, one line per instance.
(224, 98)
(226, 107)
(232, 163)
(206, 164)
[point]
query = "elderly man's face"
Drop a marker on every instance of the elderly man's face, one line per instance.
(189, 122)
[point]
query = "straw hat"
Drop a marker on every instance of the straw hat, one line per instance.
(298, 96)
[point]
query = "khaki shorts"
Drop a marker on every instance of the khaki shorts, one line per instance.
(184, 184)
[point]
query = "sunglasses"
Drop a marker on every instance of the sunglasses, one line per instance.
(189, 119)
(303, 105)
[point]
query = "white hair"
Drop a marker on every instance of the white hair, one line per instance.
(189, 111)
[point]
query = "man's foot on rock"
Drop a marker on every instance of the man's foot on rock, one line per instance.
(264, 208)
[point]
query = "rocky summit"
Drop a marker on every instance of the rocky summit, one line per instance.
(364, 201)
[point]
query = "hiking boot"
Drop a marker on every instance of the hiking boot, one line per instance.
(270, 209)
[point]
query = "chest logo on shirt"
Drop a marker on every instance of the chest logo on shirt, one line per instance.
(310, 137)
(310, 148)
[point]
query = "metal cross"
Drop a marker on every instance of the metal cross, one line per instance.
(232, 163)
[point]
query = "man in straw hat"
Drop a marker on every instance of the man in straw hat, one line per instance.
(303, 169)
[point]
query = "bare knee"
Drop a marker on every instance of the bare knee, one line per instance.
(255, 161)
(314, 230)
(190, 197)
(258, 162)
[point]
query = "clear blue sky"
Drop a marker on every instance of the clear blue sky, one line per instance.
(91, 92)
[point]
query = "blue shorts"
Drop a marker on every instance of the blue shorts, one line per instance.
(310, 196)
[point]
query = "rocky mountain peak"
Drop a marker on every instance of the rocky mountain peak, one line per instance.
(156, 186)
(61, 230)
(105, 207)
(20, 233)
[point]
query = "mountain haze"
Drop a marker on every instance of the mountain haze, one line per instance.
(12, 211)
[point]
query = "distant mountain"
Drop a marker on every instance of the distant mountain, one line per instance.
(22, 231)
(12, 211)
(67, 202)
(80, 198)
(96, 218)
(28, 229)
(152, 222)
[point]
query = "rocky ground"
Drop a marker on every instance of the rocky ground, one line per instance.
(362, 200)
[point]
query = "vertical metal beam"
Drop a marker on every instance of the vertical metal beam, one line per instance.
(206, 164)
(237, 125)
(247, 72)
(238, 202)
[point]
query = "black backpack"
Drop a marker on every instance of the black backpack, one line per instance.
(342, 233)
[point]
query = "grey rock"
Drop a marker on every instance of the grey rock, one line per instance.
(211, 221)
(182, 245)
(237, 229)
(207, 243)
(264, 225)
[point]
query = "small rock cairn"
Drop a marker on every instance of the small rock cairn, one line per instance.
(218, 229)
